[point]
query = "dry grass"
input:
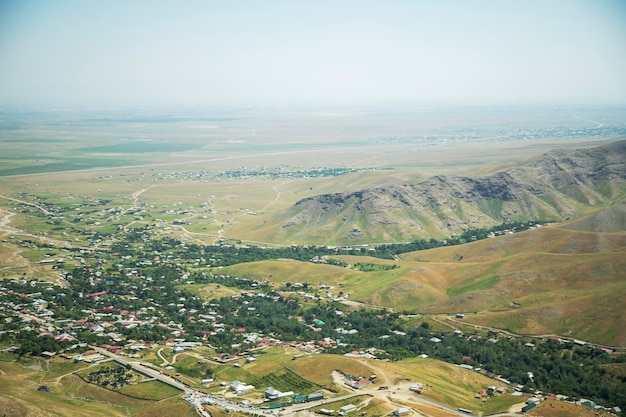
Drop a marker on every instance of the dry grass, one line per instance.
(551, 408)
(283, 271)
(542, 281)
(208, 291)
(318, 368)
(70, 396)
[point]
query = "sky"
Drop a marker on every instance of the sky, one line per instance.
(499, 52)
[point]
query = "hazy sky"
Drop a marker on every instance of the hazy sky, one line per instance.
(329, 52)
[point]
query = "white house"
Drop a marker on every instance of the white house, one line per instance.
(240, 388)
(271, 393)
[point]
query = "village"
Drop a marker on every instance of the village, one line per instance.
(133, 293)
(32, 307)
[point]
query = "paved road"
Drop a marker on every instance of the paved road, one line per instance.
(191, 395)
(146, 370)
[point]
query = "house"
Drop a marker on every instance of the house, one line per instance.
(286, 394)
(416, 388)
(272, 393)
(481, 394)
(97, 329)
(347, 408)
(240, 388)
(65, 337)
(96, 294)
(401, 411)
(314, 397)
(187, 345)
(361, 383)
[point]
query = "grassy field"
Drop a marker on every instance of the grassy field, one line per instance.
(280, 272)
(552, 408)
(151, 390)
(209, 291)
(69, 395)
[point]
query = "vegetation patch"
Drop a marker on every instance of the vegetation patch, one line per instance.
(370, 267)
(481, 285)
(285, 379)
(111, 377)
(209, 291)
(193, 367)
(66, 165)
(142, 147)
(150, 390)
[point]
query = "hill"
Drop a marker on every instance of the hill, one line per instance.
(611, 220)
(559, 185)
(558, 279)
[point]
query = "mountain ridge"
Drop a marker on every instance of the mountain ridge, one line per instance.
(558, 185)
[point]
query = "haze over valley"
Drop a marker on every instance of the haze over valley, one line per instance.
(520, 226)
(286, 209)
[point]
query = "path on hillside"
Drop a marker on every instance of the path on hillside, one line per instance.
(137, 193)
(5, 221)
(43, 209)
(58, 379)
(515, 335)
(275, 188)
(231, 221)
(164, 362)
(134, 205)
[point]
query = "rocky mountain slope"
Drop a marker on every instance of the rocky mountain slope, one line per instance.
(557, 186)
